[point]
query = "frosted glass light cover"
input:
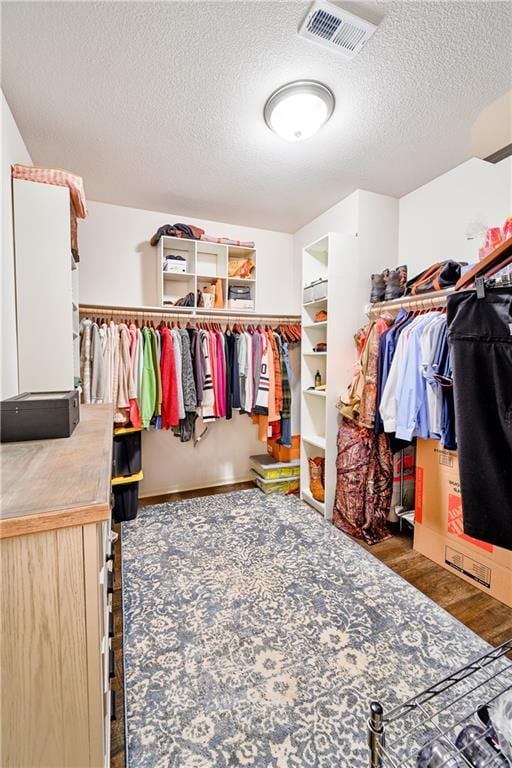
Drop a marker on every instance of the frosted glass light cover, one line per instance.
(298, 110)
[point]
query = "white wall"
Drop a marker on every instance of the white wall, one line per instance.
(13, 151)
(435, 217)
(118, 265)
(373, 218)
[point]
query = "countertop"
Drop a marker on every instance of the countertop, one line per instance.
(51, 484)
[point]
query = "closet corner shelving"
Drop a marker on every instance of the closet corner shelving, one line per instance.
(319, 422)
(205, 263)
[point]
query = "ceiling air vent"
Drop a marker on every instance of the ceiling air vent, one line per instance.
(337, 29)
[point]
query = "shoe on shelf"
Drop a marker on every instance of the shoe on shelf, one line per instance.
(378, 287)
(396, 284)
(321, 316)
(316, 478)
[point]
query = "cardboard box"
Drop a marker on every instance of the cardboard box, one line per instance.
(281, 453)
(438, 529)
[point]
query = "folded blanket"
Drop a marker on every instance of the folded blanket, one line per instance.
(228, 241)
(187, 231)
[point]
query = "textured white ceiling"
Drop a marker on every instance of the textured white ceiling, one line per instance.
(159, 105)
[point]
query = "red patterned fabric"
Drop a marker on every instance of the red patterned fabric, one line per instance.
(59, 178)
(364, 483)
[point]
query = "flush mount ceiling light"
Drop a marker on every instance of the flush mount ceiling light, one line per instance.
(298, 110)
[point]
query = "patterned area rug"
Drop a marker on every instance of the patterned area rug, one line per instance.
(256, 635)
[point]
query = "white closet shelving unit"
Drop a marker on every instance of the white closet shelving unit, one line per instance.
(205, 263)
(319, 421)
(368, 244)
(47, 314)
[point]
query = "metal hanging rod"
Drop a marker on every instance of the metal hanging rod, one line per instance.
(187, 313)
(426, 301)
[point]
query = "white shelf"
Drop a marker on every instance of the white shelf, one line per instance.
(322, 259)
(240, 250)
(211, 277)
(318, 505)
(205, 263)
(184, 277)
(317, 440)
(315, 303)
(315, 393)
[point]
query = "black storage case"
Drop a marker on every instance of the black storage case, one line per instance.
(126, 502)
(126, 456)
(39, 416)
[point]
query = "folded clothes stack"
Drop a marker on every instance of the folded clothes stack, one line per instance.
(187, 231)
(191, 232)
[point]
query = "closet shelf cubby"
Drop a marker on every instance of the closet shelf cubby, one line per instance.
(317, 440)
(316, 303)
(318, 505)
(205, 263)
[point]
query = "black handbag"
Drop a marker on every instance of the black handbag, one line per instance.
(242, 292)
(186, 301)
(440, 275)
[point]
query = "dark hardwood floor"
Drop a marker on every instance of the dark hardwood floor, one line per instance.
(485, 616)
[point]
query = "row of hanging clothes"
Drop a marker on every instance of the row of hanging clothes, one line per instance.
(402, 389)
(166, 376)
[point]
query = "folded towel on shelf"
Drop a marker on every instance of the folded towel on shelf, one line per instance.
(228, 241)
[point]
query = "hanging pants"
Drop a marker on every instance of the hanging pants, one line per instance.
(364, 483)
(480, 336)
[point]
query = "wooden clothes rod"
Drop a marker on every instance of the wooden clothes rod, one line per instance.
(186, 313)
(427, 301)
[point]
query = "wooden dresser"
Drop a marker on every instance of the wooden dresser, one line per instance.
(56, 579)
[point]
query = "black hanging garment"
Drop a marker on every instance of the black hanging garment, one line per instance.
(480, 335)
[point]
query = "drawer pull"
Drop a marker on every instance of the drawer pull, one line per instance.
(111, 624)
(111, 663)
(110, 582)
(113, 706)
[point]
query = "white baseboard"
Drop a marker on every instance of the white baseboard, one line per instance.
(195, 487)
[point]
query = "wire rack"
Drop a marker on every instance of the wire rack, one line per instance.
(438, 714)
